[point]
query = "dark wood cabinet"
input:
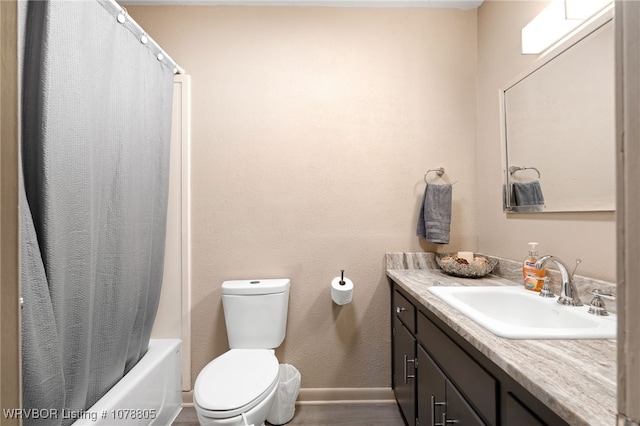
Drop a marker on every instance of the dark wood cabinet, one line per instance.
(474, 383)
(516, 413)
(458, 411)
(440, 379)
(431, 390)
(404, 355)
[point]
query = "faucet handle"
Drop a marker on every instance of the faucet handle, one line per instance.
(597, 305)
(578, 262)
(546, 289)
(600, 293)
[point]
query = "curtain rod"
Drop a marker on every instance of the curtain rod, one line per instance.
(120, 14)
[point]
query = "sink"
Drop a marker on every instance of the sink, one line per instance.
(516, 313)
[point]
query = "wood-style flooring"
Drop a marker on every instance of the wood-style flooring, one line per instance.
(326, 415)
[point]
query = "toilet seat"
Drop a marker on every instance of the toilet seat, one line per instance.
(235, 382)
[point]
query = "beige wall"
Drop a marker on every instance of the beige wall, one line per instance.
(312, 129)
(10, 382)
(311, 132)
(589, 236)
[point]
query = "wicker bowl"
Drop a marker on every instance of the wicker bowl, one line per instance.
(452, 265)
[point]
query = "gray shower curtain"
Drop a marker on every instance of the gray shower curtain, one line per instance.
(96, 124)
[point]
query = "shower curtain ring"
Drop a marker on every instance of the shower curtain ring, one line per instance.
(122, 16)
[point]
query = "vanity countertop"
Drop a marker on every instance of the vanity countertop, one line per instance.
(574, 378)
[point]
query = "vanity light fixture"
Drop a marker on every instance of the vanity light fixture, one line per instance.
(584, 9)
(558, 19)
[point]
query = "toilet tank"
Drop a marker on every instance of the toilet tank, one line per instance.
(255, 312)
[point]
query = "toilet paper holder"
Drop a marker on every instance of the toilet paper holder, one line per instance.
(341, 289)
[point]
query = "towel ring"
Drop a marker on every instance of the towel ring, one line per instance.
(514, 169)
(439, 171)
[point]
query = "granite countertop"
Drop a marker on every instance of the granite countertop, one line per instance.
(575, 378)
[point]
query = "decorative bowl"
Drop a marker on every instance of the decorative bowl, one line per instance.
(452, 265)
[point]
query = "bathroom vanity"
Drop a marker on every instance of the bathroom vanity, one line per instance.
(442, 357)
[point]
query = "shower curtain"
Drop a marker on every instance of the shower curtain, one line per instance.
(96, 124)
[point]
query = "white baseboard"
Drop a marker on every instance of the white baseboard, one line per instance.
(322, 396)
(187, 398)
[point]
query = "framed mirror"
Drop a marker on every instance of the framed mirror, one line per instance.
(559, 128)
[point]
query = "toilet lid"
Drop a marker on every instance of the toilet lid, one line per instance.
(235, 379)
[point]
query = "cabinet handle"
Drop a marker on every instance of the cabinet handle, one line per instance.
(400, 309)
(433, 411)
(445, 421)
(407, 376)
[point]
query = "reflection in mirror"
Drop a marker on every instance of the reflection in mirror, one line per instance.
(559, 131)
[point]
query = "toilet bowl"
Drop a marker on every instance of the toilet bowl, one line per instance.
(237, 388)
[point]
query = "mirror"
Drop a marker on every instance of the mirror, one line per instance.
(559, 130)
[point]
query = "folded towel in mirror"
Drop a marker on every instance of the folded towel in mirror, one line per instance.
(527, 193)
(434, 219)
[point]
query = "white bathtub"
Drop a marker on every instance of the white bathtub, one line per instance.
(150, 394)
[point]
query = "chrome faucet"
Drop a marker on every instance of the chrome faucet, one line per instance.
(569, 294)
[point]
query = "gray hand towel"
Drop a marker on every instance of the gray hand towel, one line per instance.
(527, 193)
(434, 219)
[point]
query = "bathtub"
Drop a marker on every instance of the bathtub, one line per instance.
(150, 394)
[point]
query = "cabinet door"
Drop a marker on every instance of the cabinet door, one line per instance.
(405, 311)
(517, 414)
(475, 383)
(458, 410)
(404, 354)
(431, 390)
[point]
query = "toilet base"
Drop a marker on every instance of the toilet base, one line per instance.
(254, 417)
(234, 421)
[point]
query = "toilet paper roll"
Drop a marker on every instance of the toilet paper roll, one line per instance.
(466, 255)
(341, 294)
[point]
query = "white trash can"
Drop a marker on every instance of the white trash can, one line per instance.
(284, 404)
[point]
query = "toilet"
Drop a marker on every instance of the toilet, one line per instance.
(238, 387)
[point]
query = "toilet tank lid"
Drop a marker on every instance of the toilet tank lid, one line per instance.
(269, 286)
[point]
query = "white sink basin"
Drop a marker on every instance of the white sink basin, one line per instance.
(516, 313)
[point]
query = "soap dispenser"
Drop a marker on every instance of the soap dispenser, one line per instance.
(533, 278)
